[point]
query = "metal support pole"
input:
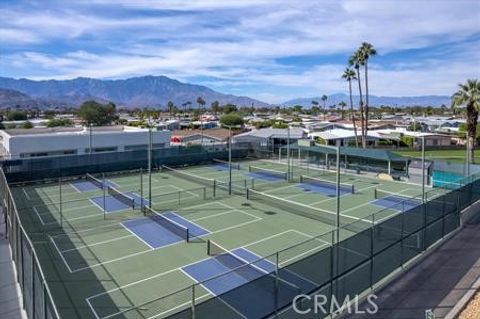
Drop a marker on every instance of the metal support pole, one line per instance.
(230, 161)
(104, 187)
(467, 157)
(61, 204)
(90, 139)
(288, 155)
(150, 164)
(141, 192)
(338, 190)
(423, 169)
(193, 301)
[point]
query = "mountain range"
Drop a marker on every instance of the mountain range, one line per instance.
(151, 91)
(403, 101)
(157, 91)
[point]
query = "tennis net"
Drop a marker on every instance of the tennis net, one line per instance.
(121, 197)
(327, 217)
(251, 270)
(267, 172)
(169, 224)
(190, 177)
(327, 183)
(95, 181)
(395, 197)
(226, 164)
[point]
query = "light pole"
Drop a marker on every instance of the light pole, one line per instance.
(423, 169)
(149, 162)
(289, 177)
(230, 157)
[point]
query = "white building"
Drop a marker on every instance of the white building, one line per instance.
(26, 143)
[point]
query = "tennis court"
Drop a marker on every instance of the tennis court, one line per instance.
(125, 245)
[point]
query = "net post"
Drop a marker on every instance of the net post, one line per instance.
(208, 247)
(179, 197)
(248, 193)
(214, 188)
(204, 193)
(188, 235)
(141, 190)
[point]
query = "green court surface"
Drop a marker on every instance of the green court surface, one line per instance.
(101, 269)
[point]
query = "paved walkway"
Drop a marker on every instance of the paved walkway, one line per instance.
(10, 295)
(438, 282)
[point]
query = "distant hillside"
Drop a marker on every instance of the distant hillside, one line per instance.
(12, 98)
(426, 100)
(133, 92)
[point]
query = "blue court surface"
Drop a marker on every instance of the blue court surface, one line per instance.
(326, 189)
(87, 186)
(161, 230)
(113, 205)
(247, 283)
(397, 203)
(266, 176)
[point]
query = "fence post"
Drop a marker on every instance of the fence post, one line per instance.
(276, 285)
(33, 284)
(193, 301)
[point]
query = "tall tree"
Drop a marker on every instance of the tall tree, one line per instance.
(468, 94)
(215, 107)
(92, 112)
(342, 106)
(349, 75)
(314, 107)
(170, 107)
(355, 61)
(366, 50)
(324, 99)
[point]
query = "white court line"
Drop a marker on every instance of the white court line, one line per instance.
(204, 287)
(91, 308)
(138, 237)
(152, 249)
(368, 203)
(97, 243)
(161, 275)
(210, 216)
(40, 217)
(267, 238)
(179, 306)
(276, 189)
(113, 260)
(326, 200)
(74, 187)
(61, 255)
(26, 194)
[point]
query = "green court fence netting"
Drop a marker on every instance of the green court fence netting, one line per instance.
(348, 261)
(37, 298)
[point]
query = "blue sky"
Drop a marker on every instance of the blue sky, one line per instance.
(265, 49)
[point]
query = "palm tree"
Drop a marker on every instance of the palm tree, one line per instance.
(314, 107)
(324, 99)
(356, 60)
(367, 50)
(215, 105)
(342, 105)
(468, 94)
(170, 107)
(349, 75)
(201, 103)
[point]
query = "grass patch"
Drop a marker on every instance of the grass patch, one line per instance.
(446, 155)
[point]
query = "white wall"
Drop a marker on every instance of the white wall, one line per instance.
(79, 141)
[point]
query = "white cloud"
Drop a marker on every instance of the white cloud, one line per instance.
(237, 43)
